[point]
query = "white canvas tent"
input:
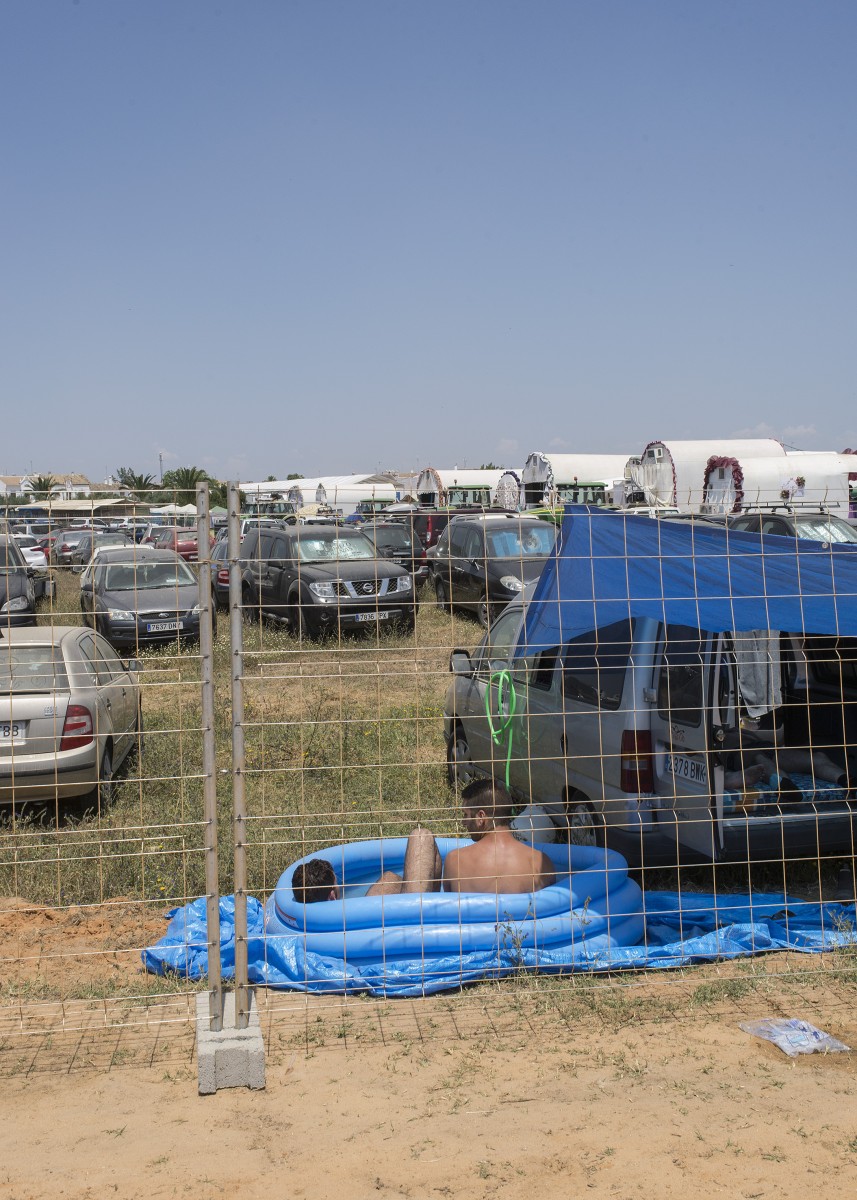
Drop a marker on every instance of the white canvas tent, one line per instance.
(442, 487)
(572, 478)
(731, 483)
(672, 472)
(339, 491)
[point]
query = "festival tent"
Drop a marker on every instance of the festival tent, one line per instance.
(607, 567)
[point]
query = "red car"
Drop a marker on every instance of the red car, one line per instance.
(183, 541)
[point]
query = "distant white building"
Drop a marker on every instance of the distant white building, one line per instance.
(65, 487)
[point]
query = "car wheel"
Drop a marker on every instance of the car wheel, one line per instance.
(459, 763)
(249, 611)
(486, 612)
(303, 627)
(585, 826)
(441, 596)
(104, 791)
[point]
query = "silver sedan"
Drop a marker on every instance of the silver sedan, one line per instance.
(70, 713)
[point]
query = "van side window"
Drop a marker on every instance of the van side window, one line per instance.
(833, 660)
(537, 672)
(594, 665)
(680, 694)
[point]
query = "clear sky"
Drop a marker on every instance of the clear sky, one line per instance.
(342, 235)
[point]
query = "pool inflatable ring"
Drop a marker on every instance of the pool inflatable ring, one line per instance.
(592, 906)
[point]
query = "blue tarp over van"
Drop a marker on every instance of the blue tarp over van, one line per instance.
(608, 567)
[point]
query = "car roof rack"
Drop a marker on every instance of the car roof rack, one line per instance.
(813, 506)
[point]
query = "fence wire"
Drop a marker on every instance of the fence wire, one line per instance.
(362, 677)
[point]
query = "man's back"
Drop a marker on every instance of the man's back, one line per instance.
(498, 862)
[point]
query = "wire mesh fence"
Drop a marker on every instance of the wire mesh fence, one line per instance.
(102, 761)
(358, 680)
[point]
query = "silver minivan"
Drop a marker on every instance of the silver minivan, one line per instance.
(640, 736)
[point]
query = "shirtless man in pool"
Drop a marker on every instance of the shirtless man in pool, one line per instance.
(496, 862)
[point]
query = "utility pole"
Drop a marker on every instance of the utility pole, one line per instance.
(161, 465)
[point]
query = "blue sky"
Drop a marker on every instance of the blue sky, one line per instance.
(339, 236)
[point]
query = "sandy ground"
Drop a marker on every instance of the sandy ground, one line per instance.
(539, 1089)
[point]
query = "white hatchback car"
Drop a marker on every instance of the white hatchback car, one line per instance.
(70, 713)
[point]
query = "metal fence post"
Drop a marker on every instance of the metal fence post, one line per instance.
(239, 812)
(209, 757)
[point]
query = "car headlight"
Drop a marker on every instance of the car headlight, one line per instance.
(16, 604)
(405, 583)
(196, 610)
(119, 614)
(325, 591)
(511, 583)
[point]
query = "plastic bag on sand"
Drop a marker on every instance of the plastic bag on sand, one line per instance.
(792, 1036)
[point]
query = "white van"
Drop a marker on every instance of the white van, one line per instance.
(642, 735)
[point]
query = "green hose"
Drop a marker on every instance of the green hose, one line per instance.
(505, 687)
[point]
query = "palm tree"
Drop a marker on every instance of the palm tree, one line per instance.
(42, 485)
(134, 481)
(183, 481)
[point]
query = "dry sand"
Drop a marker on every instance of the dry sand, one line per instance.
(531, 1090)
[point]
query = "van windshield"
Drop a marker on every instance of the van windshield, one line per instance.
(533, 540)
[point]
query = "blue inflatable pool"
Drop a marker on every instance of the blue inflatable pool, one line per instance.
(593, 906)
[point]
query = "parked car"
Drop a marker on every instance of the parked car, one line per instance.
(622, 733)
(220, 573)
(35, 558)
(135, 527)
(134, 599)
(322, 579)
(70, 713)
(394, 540)
(90, 542)
(17, 593)
(184, 542)
(428, 524)
(816, 526)
(63, 546)
(483, 561)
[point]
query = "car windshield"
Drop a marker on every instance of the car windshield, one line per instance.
(332, 545)
(135, 577)
(25, 542)
(533, 540)
(825, 529)
(31, 669)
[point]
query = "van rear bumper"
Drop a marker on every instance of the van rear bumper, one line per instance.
(789, 835)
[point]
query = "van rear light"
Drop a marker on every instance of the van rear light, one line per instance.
(223, 575)
(637, 768)
(77, 730)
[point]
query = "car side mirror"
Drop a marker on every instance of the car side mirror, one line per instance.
(132, 664)
(459, 662)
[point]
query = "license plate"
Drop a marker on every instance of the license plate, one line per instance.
(373, 616)
(163, 626)
(13, 733)
(683, 766)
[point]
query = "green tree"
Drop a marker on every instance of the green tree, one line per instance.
(490, 467)
(42, 485)
(182, 481)
(295, 475)
(134, 481)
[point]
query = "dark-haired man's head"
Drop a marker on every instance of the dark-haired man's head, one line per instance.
(313, 881)
(487, 805)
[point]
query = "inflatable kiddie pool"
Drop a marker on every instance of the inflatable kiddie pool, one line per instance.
(592, 906)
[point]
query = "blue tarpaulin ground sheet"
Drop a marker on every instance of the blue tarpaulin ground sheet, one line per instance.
(681, 928)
